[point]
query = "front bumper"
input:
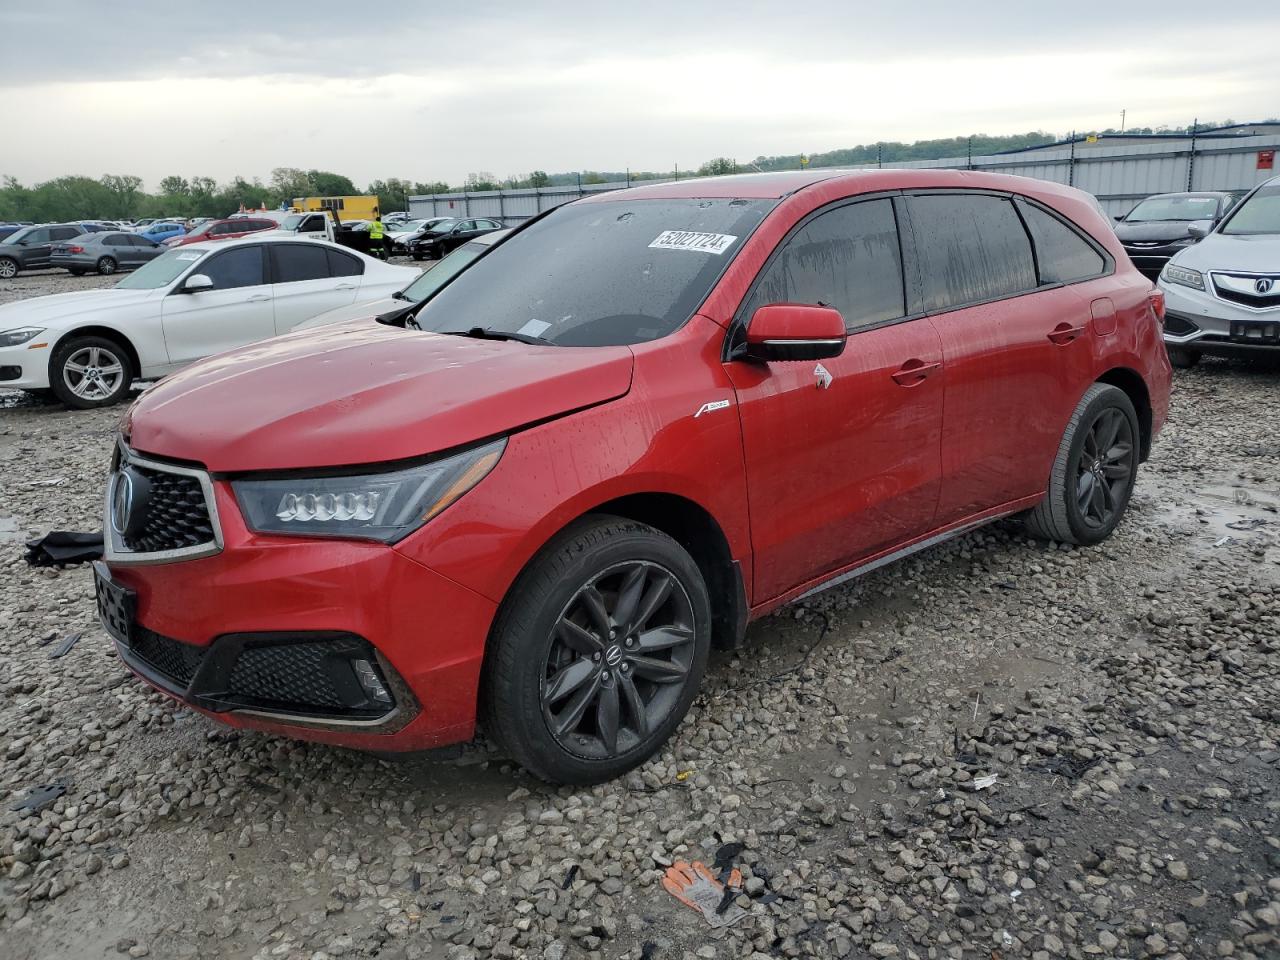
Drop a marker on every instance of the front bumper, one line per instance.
(310, 609)
(1199, 321)
(24, 368)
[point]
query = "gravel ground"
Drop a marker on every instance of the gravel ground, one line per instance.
(1123, 697)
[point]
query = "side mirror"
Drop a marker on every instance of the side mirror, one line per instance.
(197, 282)
(1200, 229)
(795, 331)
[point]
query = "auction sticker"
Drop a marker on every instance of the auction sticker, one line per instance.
(716, 243)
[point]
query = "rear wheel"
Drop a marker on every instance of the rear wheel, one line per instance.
(1094, 472)
(88, 372)
(1183, 358)
(598, 652)
(107, 266)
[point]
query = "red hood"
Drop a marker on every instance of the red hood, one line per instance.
(361, 392)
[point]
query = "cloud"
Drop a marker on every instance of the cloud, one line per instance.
(239, 88)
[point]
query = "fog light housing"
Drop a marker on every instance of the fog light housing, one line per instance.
(370, 681)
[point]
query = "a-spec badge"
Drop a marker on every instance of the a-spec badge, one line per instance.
(708, 407)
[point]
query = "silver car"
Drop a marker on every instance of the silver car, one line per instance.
(1222, 296)
(104, 253)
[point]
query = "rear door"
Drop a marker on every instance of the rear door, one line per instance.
(1015, 341)
(235, 312)
(304, 285)
(842, 456)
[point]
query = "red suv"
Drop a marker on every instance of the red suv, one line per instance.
(229, 229)
(626, 430)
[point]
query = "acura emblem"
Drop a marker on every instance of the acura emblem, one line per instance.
(122, 501)
(1263, 285)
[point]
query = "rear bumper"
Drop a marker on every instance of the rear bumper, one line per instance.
(314, 607)
(79, 261)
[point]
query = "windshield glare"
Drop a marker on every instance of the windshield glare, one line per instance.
(599, 273)
(17, 235)
(1174, 208)
(163, 270)
(1259, 214)
(291, 222)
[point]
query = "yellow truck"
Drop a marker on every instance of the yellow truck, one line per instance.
(344, 208)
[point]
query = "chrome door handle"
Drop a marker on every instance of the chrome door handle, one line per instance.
(257, 298)
(345, 286)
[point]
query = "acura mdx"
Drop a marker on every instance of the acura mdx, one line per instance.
(626, 430)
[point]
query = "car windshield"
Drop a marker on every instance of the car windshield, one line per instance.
(450, 266)
(201, 230)
(1257, 215)
(439, 226)
(413, 226)
(16, 237)
(599, 273)
(1174, 208)
(163, 270)
(291, 222)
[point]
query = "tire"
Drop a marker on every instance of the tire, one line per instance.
(107, 266)
(1103, 479)
(81, 390)
(601, 676)
(8, 268)
(1183, 358)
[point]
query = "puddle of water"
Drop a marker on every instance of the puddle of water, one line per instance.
(1226, 515)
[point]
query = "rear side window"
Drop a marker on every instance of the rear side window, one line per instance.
(116, 240)
(241, 267)
(299, 261)
(1062, 255)
(343, 264)
(972, 248)
(847, 258)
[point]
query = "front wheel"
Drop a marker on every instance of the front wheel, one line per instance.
(88, 372)
(598, 652)
(1094, 472)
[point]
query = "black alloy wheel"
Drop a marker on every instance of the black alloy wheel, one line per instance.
(107, 266)
(1105, 468)
(1093, 475)
(621, 651)
(597, 651)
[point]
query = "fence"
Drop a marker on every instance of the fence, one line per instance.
(1117, 174)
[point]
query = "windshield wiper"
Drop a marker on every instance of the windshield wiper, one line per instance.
(488, 333)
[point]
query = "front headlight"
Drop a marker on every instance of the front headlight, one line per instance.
(11, 338)
(1184, 276)
(385, 506)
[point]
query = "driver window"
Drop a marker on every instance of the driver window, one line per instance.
(241, 267)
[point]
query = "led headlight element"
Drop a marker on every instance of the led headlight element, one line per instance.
(1184, 275)
(383, 506)
(11, 338)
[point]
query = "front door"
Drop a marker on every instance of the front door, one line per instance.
(236, 311)
(842, 456)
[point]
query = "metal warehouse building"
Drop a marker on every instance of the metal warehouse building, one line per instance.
(1119, 170)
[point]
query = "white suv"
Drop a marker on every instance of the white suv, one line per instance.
(1222, 296)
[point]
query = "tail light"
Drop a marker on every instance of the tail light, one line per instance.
(1156, 299)
(75, 249)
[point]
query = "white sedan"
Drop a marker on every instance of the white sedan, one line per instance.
(191, 302)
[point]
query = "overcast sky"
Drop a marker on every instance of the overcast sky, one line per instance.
(435, 91)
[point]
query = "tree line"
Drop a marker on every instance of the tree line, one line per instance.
(119, 197)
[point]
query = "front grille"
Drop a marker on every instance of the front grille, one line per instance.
(176, 661)
(176, 514)
(1243, 290)
(295, 675)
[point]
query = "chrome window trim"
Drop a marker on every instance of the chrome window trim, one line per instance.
(114, 550)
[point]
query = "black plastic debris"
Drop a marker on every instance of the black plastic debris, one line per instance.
(728, 854)
(569, 877)
(64, 547)
(65, 646)
(39, 797)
